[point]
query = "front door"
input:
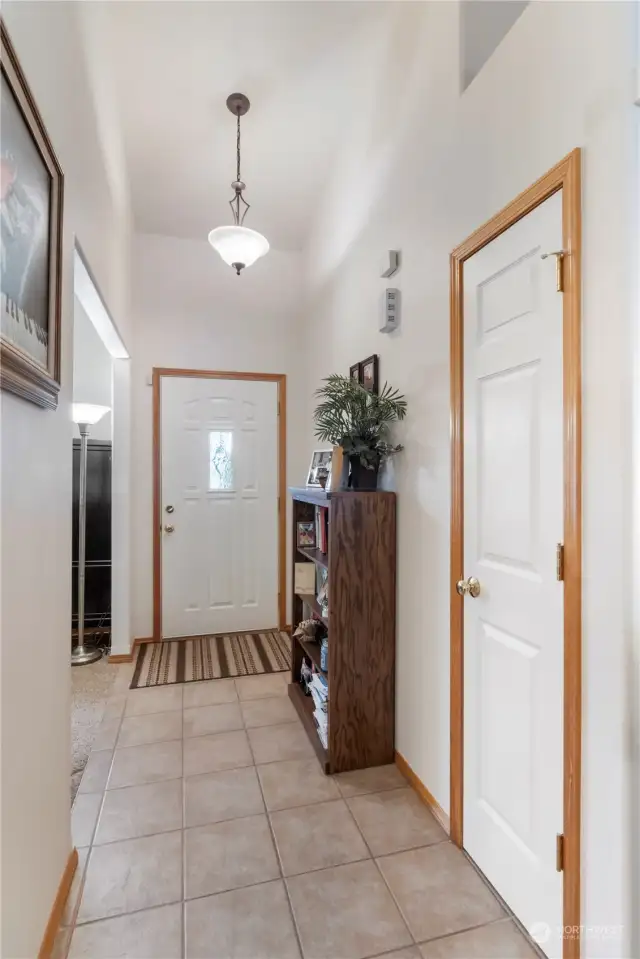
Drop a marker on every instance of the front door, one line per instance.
(513, 523)
(219, 505)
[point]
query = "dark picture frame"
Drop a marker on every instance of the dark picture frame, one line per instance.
(31, 203)
(369, 375)
(354, 372)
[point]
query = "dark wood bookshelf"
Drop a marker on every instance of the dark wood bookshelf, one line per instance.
(361, 565)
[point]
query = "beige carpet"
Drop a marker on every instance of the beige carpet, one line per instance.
(90, 689)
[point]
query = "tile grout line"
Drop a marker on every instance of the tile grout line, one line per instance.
(296, 931)
(380, 873)
(388, 855)
(76, 909)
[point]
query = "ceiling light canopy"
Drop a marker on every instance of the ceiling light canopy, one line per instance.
(237, 245)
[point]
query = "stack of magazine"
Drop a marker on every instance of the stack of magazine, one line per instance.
(320, 692)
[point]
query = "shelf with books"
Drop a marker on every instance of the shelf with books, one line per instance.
(304, 707)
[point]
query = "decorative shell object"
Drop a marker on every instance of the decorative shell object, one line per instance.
(307, 629)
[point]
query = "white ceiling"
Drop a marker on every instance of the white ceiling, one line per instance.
(175, 63)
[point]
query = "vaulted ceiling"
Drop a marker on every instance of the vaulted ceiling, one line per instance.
(174, 63)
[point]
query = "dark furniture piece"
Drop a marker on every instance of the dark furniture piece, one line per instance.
(98, 564)
(361, 562)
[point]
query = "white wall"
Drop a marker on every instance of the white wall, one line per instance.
(36, 499)
(192, 312)
(92, 371)
(421, 168)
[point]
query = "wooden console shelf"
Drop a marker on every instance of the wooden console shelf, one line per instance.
(361, 565)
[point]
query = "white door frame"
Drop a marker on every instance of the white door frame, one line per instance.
(281, 380)
(564, 176)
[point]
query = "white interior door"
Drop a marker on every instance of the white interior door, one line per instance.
(513, 521)
(219, 462)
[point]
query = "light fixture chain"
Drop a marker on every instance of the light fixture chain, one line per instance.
(238, 149)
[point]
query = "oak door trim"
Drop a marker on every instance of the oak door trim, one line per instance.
(281, 380)
(565, 176)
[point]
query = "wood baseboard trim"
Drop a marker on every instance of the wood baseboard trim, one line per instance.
(57, 910)
(422, 791)
(129, 657)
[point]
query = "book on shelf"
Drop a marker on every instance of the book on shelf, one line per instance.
(322, 728)
(305, 578)
(322, 528)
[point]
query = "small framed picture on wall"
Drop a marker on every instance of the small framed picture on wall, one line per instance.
(354, 372)
(369, 377)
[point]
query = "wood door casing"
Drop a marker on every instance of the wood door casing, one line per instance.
(565, 176)
(281, 380)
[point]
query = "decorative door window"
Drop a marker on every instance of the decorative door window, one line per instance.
(220, 459)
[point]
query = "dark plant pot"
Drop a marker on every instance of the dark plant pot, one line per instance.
(360, 477)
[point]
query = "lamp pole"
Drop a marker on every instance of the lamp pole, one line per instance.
(81, 654)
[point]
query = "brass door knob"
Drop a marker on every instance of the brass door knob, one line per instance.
(169, 529)
(469, 587)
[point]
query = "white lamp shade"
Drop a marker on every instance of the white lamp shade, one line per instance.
(238, 245)
(88, 413)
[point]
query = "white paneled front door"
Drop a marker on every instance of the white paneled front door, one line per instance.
(219, 485)
(513, 521)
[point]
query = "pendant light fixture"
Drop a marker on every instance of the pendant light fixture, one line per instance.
(237, 245)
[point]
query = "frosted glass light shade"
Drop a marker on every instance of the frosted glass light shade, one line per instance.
(88, 413)
(238, 246)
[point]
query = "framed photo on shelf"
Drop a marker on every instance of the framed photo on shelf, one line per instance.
(321, 460)
(307, 534)
(31, 194)
(369, 377)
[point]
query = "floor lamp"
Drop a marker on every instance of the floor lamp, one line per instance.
(85, 415)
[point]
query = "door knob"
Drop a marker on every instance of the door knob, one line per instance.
(169, 529)
(469, 586)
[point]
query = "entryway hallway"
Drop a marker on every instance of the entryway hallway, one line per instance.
(205, 828)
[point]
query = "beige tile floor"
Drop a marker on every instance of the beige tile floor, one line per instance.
(206, 830)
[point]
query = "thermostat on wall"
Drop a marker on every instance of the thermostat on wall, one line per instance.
(391, 314)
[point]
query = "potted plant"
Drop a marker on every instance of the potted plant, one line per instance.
(355, 419)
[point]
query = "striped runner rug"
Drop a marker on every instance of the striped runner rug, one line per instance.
(211, 657)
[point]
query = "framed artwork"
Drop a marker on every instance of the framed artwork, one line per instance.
(369, 373)
(31, 196)
(354, 372)
(320, 459)
(306, 534)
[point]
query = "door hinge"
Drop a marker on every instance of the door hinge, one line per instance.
(560, 852)
(559, 255)
(560, 562)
